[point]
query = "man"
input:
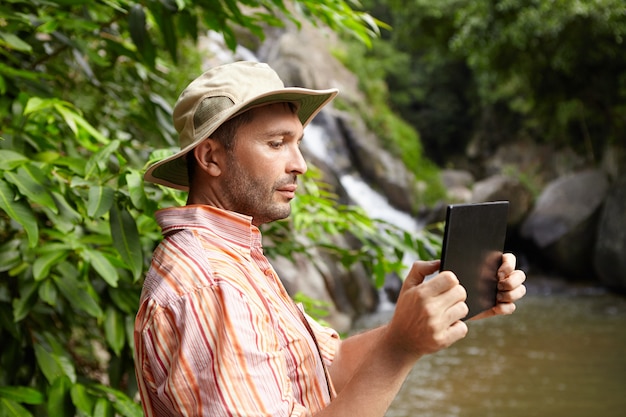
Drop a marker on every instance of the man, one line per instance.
(216, 333)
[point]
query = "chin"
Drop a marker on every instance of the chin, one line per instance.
(271, 216)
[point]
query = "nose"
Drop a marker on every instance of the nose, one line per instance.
(297, 164)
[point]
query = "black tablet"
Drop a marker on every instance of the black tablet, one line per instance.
(473, 243)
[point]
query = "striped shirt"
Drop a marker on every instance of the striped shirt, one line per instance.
(216, 333)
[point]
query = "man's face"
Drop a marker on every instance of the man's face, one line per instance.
(262, 169)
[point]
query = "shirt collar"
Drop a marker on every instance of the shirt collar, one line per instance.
(231, 226)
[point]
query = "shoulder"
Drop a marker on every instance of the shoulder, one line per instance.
(187, 263)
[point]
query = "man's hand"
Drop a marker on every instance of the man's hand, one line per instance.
(428, 314)
(510, 288)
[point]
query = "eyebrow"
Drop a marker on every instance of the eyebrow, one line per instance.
(277, 132)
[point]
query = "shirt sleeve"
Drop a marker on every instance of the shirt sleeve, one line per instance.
(213, 353)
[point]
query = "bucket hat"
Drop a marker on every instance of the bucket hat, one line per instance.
(220, 94)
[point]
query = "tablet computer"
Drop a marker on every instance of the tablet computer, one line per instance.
(473, 244)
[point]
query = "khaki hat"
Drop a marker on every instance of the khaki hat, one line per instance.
(217, 96)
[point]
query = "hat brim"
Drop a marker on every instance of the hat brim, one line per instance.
(172, 171)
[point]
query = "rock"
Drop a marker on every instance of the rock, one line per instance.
(614, 161)
(538, 163)
(378, 167)
(347, 293)
(564, 219)
(299, 275)
(451, 178)
(502, 187)
(610, 251)
(458, 185)
(301, 58)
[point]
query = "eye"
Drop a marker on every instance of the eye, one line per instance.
(275, 144)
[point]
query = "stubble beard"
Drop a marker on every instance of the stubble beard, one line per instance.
(252, 196)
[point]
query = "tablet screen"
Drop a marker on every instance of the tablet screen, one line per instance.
(472, 248)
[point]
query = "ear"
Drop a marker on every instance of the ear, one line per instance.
(208, 159)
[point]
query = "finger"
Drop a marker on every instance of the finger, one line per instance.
(508, 265)
(512, 295)
(457, 331)
(512, 280)
(420, 270)
(457, 311)
(451, 304)
(502, 309)
(442, 283)
(499, 309)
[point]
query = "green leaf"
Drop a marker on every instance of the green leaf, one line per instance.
(99, 200)
(67, 217)
(101, 264)
(59, 400)
(10, 408)
(124, 405)
(81, 399)
(126, 239)
(43, 263)
(188, 22)
(71, 2)
(7, 322)
(10, 255)
(129, 325)
(54, 365)
(30, 181)
(29, 75)
(126, 299)
(165, 20)
(23, 305)
(135, 189)
(37, 104)
(114, 331)
(25, 395)
(139, 34)
(10, 159)
(14, 42)
(48, 156)
(102, 408)
(48, 292)
(75, 165)
(74, 120)
(74, 290)
(100, 157)
(19, 212)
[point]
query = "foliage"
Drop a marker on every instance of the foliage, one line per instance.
(554, 71)
(85, 91)
(318, 219)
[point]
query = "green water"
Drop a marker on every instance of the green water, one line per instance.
(563, 353)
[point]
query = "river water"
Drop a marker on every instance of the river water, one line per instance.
(563, 353)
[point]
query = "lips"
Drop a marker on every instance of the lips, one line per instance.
(288, 190)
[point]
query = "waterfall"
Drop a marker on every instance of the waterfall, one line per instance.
(360, 192)
(318, 143)
(375, 204)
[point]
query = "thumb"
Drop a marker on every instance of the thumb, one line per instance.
(420, 270)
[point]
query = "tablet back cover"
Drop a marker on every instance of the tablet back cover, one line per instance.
(472, 248)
